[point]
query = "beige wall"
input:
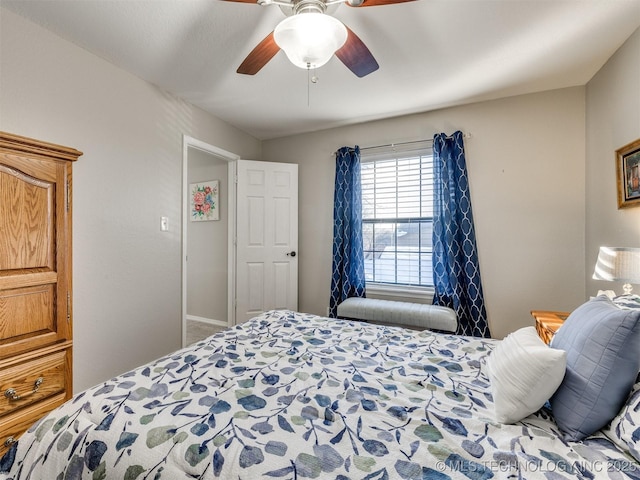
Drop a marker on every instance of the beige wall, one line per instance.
(207, 244)
(127, 273)
(613, 120)
(526, 164)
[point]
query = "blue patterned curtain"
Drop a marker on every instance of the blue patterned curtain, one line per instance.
(456, 273)
(347, 277)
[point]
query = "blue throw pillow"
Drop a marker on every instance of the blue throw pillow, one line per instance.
(602, 343)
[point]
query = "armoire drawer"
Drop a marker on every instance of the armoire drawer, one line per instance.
(31, 381)
(15, 424)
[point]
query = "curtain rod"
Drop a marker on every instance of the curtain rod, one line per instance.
(397, 144)
(464, 135)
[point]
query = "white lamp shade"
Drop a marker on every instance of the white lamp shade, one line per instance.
(310, 39)
(618, 264)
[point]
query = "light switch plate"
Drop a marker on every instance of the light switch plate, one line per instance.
(164, 224)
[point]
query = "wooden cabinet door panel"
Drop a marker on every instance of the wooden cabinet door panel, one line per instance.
(27, 214)
(26, 311)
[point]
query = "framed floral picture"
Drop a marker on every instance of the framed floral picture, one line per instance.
(628, 173)
(204, 201)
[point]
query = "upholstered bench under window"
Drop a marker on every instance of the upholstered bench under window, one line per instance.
(407, 314)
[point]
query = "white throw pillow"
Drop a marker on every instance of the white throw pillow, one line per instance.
(524, 374)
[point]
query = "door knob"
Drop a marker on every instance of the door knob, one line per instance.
(291, 254)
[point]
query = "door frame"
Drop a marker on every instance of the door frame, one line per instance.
(231, 159)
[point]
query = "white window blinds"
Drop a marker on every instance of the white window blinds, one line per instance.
(397, 211)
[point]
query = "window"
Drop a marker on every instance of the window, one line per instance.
(397, 215)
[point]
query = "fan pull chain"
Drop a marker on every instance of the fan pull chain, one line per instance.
(310, 79)
(308, 86)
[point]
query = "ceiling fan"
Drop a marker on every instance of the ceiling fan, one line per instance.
(310, 36)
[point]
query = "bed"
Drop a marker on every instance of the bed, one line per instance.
(289, 395)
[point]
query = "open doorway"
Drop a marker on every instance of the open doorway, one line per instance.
(208, 264)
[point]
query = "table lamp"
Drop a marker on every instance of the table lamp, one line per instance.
(618, 264)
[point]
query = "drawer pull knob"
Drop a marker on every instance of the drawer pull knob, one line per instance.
(9, 441)
(11, 393)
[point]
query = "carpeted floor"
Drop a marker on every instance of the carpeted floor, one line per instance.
(197, 331)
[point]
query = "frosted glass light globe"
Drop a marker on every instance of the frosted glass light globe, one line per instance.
(310, 39)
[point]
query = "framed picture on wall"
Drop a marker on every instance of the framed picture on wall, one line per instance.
(204, 203)
(628, 173)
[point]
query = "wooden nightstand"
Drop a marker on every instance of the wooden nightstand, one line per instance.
(547, 323)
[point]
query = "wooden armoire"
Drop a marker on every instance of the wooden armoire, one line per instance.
(35, 281)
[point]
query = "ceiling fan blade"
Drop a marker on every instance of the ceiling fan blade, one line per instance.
(356, 56)
(368, 3)
(259, 56)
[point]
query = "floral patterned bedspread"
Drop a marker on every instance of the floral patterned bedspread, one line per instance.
(292, 396)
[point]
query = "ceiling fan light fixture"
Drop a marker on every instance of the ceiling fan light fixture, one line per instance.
(310, 39)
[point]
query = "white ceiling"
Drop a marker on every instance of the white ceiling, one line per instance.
(432, 54)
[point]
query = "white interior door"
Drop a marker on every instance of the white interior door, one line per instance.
(267, 238)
